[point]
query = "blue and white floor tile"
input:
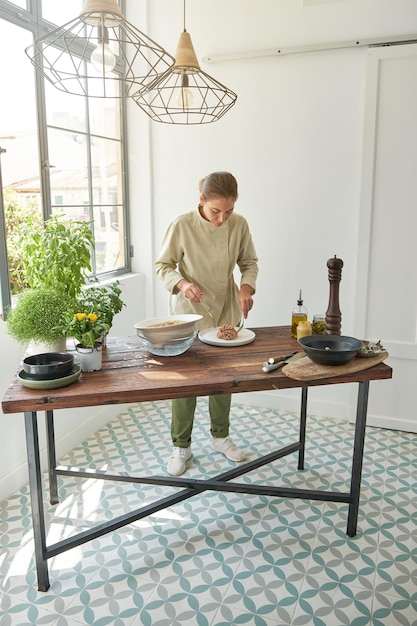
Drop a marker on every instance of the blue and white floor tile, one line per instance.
(222, 559)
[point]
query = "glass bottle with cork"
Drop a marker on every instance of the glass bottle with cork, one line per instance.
(299, 314)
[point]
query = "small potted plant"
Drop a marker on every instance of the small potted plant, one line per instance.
(104, 300)
(87, 328)
(36, 318)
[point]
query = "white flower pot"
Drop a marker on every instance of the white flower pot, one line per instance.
(90, 358)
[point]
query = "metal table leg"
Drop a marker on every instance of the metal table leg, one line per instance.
(35, 486)
(357, 460)
(303, 424)
(50, 432)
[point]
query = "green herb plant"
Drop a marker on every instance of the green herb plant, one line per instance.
(19, 220)
(59, 256)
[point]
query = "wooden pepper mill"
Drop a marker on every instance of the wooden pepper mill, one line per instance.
(333, 314)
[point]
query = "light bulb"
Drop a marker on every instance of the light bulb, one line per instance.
(102, 58)
(185, 98)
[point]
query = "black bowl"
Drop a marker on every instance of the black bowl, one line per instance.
(48, 365)
(330, 349)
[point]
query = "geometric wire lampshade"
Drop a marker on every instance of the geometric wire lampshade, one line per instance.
(79, 57)
(184, 94)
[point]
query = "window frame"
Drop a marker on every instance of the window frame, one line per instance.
(32, 21)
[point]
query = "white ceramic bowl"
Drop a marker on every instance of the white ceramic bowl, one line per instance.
(170, 335)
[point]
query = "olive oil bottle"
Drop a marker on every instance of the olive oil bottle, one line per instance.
(299, 314)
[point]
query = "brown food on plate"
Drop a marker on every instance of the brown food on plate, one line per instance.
(227, 332)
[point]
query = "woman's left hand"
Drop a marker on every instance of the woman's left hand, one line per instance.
(245, 300)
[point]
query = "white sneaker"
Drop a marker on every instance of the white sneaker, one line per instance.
(179, 457)
(228, 448)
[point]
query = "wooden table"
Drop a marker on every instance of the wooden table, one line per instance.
(130, 374)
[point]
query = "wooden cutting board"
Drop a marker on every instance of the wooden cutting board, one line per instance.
(306, 369)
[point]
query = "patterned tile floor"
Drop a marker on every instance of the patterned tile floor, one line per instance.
(223, 559)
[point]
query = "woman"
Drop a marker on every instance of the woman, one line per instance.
(198, 257)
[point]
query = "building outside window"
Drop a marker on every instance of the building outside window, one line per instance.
(60, 153)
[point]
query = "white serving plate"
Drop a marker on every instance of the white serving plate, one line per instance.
(209, 336)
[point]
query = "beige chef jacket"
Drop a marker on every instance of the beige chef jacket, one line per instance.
(207, 255)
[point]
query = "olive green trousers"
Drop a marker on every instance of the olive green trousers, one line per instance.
(183, 410)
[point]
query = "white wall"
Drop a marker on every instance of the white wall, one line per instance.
(293, 139)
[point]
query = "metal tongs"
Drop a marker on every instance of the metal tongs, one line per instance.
(240, 326)
(207, 311)
(275, 363)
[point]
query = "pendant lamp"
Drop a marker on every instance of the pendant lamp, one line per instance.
(79, 57)
(184, 94)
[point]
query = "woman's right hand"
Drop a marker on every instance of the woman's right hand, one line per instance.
(190, 291)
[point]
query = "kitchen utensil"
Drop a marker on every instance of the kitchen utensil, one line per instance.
(28, 381)
(333, 315)
(48, 365)
(240, 325)
(168, 336)
(330, 349)
(161, 329)
(277, 359)
(207, 311)
(305, 369)
(269, 367)
(169, 347)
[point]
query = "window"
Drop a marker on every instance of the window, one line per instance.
(60, 12)
(60, 153)
(19, 3)
(85, 168)
(19, 158)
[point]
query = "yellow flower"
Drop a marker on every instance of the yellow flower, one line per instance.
(80, 316)
(92, 317)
